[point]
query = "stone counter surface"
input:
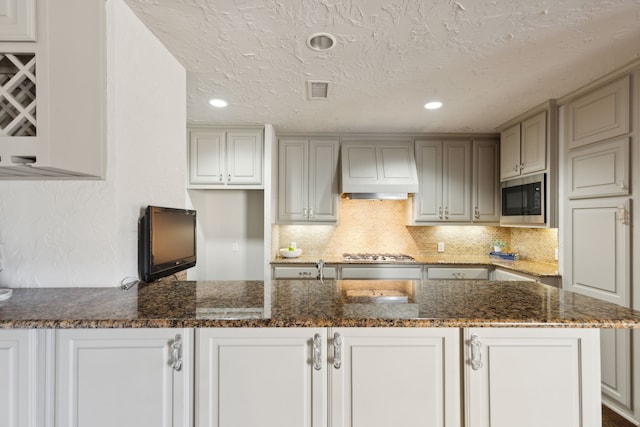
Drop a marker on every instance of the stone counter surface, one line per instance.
(533, 268)
(298, 303)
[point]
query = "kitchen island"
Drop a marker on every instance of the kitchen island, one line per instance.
(306, 353)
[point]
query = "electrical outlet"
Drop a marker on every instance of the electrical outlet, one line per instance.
(440, 246)
(555, 254)
(235, 247)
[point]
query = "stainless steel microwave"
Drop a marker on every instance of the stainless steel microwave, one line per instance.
(523, 201)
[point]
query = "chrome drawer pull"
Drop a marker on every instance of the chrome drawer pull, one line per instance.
(337, 350)
(476, 362)
(317, 352)
(176, 353)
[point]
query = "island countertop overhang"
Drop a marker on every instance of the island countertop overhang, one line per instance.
(311, 303)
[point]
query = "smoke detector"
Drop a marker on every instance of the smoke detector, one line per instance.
(317, 89)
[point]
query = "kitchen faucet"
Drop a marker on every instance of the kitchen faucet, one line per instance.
(320, 267)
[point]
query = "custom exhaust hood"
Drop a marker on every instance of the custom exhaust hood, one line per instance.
(384, 170)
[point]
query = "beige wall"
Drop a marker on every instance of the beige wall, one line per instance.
(380, 226)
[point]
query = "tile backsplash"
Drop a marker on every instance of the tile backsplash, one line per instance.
(380, 226)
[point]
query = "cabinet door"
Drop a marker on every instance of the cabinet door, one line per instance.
(18, 20)
(510, 152)
(456, 181)
(261, 377)
(533, 146)
(615, 359)
(384, 377)
(532, 377)
(601, 114)
(21, 377)
(244, 151)
(293, 179)
(206, 157)
(428, 201)
(396, 163)
(323, 180)
(597, 250)
(599, 170)
(486, 192)
(123, 377)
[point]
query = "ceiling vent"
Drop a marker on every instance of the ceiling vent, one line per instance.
(317, 89)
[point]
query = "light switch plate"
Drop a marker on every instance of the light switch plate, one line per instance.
(440, 246)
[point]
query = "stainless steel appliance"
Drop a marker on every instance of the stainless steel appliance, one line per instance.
(380, 266)
(523, 201)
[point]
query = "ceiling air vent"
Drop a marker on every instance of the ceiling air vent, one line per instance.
(317, 89)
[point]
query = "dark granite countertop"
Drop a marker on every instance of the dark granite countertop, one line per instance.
(302, 303)
(533, 268)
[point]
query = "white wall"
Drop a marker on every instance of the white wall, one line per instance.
(67, 233)
(225, 218)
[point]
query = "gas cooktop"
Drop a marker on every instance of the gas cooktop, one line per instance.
(372, 257)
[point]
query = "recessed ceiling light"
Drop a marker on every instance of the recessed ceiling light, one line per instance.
(433, 105)
(321, 41)
(220, 103)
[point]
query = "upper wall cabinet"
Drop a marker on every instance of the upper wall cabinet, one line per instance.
(17, 20)
(485, 192)
(599, 115)
(523, 147)
(54, 95)
(444, 174)
(225, 158)
(308, 180)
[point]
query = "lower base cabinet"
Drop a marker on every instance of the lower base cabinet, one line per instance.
(300, 377)
(532, 377)
(21, 377)
(123, 377)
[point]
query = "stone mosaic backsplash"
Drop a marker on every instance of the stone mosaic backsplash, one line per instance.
(380, 226)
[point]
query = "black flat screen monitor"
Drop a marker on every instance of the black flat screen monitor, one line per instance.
(166, 242)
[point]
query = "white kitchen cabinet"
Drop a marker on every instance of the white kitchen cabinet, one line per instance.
(444, 176)
(22, 379)
(616, 367)
(378, 166)
(68, 88)
(308, 180)
(600, 114)
(598, 249)
(457, 273)
(261, 377)
(303, 272)
(225, 158)
(485, 189)
(523, 147)
(124, 377)
(532, 377)
(504, 275)
(599, 170)
(384, 377)
(18, 20)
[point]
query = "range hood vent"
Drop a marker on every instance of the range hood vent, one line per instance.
(378, 169)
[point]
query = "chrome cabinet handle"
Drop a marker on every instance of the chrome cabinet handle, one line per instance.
(440, 212)
(621, 185)
(305, 213)
(476, 362)
(176, 353)
(446, 212)
(229, 178)
(476, 212)
(516, 167)
(311, 213)
(220, 178)
(317, 352)
(522, 166)
(337, 350)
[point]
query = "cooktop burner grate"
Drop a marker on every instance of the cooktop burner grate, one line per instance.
(377, 257)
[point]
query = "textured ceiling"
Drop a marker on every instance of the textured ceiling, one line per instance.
(487, 60)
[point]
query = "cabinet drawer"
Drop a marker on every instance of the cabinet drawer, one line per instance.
(382, 272)
(302, 272)
(599, 170)
(458, 273)
(511, 277)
